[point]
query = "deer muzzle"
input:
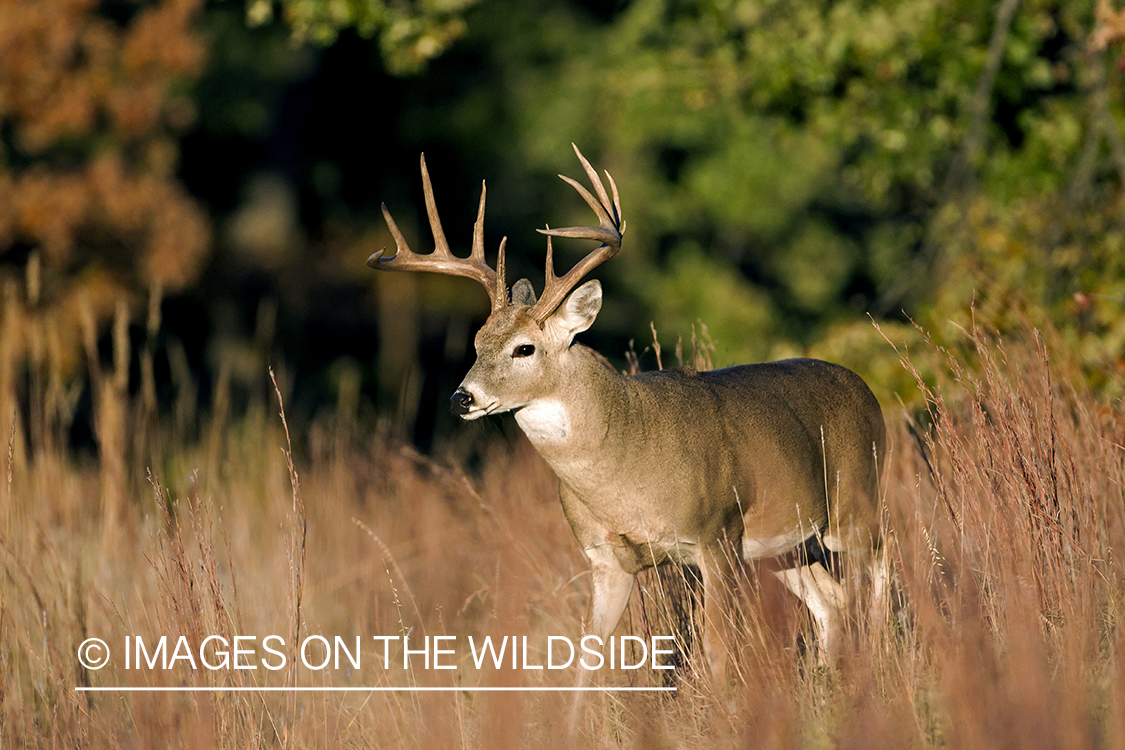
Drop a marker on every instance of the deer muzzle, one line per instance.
(460, 402)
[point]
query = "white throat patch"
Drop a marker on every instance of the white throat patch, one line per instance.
(544, 422)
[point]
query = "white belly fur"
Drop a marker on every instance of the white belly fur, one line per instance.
(754, 549)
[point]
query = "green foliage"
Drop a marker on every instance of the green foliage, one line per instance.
(699, 288)
(788, 165)
(815, 146)
(409, 33)
(1045, 263)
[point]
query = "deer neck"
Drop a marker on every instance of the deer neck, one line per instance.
(568, 426)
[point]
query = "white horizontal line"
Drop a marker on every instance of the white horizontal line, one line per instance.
(378, 689)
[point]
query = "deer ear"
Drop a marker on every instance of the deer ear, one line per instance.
(577, 313)
(523, 293)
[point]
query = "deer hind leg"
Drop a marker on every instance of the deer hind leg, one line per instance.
(873, 577)
(716, 567)
(826, 600)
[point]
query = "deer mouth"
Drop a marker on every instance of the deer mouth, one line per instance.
(476, 412)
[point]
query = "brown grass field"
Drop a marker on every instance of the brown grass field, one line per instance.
(1005, 523)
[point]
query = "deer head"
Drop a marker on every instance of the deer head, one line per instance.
(522, 347)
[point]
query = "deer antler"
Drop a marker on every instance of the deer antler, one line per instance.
(608, 233)
(441, 260)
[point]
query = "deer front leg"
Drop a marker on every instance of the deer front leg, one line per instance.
(612, 583)
(612, 587)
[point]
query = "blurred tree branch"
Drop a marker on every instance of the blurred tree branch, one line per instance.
(1100, 126)
(957, 187)
(410, 33)
(90, 108)
(961, 174)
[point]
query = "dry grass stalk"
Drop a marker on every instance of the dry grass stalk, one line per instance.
(1005, 507)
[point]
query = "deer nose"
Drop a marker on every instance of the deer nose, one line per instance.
(460, 402)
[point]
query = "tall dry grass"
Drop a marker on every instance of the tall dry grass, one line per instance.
(1005, 517)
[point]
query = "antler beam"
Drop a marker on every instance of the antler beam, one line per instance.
(441, 260)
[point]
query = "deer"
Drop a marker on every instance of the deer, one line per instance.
(670, 466)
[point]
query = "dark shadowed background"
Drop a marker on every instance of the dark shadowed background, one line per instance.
(212, 173)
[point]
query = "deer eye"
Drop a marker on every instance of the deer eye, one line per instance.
(524, 350)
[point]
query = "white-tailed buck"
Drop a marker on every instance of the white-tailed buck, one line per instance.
(671, 466)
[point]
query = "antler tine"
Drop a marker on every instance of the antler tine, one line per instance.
(441, 247)
(550, 263)
(611, 227)
(616, 201)
(441, 260)
(500, 295)
(478, 227)
(400, 242)
(599, 208)
(499, 290)
(609, 234)
(594, 179)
